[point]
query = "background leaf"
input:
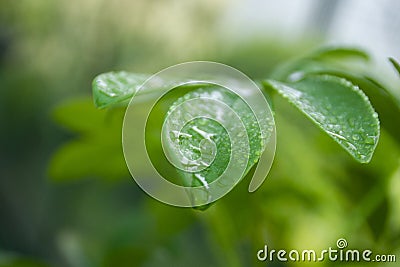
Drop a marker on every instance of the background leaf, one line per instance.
(339, 108)
(340, 54)
(98, 150)
(395, 64)
(324, 59)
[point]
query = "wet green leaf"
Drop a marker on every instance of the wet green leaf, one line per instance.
(347, 63)
(198, 129)
(338, 107)
(112, 88)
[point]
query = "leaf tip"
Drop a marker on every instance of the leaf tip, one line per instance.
(395, 64)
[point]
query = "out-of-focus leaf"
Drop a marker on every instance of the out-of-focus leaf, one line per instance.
(88, 158)
(339, 108)
(340, 53)
(98, 151)
(330, 58)
(15, 260)
(395, 64)
(115, 87)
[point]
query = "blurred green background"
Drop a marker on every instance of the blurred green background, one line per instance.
(66, 197)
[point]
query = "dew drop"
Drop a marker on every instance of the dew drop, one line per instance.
(296, 76)
(370, 140)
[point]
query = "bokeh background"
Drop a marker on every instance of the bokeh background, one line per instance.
(66, 197)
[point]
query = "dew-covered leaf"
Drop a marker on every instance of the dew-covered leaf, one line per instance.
(338, 107)
(115, 87)
(198, 130)
(347, 63)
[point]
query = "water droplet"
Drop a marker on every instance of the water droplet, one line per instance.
(370, 140)
(202, 180)
(296, 76)
(336, 135)
(351, 146)
(375, 115)
(204, 134)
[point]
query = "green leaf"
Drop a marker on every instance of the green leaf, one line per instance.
(347, 63)
(385, 104)
(199, 128)
(338, 107)
(97, 152)
(116, 87)
(340, 53)
(329, 58)
(395, 64)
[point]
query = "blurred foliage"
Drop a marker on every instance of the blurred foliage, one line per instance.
(98, 152)
(49, 53)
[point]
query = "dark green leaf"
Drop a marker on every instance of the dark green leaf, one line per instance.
(395, 64)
